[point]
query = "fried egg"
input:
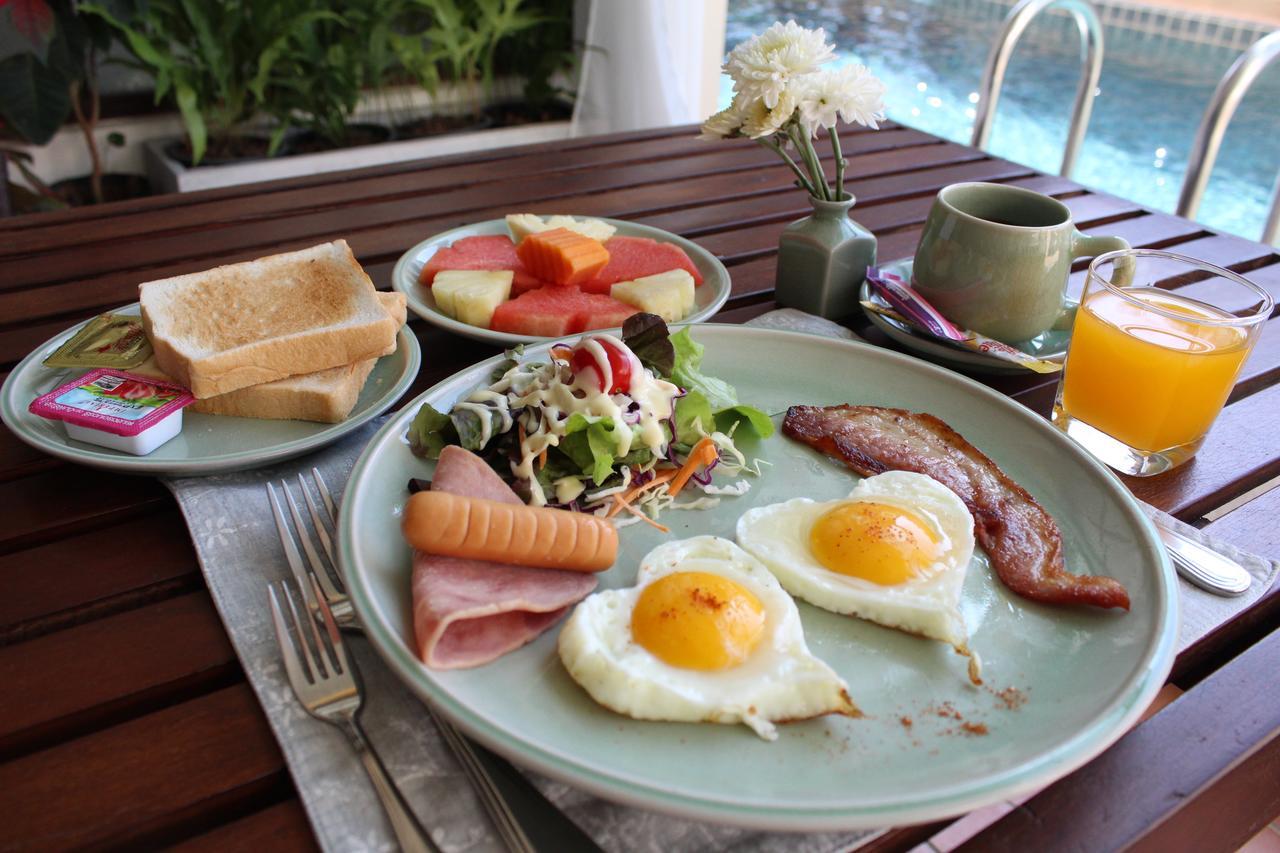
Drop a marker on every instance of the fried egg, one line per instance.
(894, 552)
(705, 635)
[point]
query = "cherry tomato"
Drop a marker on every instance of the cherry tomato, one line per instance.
(619, 365)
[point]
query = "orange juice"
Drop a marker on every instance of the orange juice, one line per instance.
(1151, 380)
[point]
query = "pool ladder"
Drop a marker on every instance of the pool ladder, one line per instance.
(1222, 106)
(998, 63)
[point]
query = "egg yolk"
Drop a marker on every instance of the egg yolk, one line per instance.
(876, 542)
(697, 620)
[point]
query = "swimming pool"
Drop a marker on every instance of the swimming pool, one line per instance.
(1153, 91)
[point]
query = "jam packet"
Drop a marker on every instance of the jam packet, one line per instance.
(112, 408)
(108, 340)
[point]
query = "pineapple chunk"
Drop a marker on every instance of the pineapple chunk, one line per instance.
(471, 296)
(667, 294)
(524, 224)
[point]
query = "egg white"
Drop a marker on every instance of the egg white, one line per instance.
(778, 535)
(780, 681)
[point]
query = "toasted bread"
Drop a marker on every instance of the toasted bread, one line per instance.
(259, 321)
(326, 396)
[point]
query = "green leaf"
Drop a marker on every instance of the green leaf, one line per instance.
(189, 106)
(591, 444)
(693, 410)
(34, 99)
(758, 421)
(685, 373)
(430, 432)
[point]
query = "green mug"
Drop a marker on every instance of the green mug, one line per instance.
(995, 259)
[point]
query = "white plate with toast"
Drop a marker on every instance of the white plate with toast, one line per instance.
(208, 444)
(708, 297)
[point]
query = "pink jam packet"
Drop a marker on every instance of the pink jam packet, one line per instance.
(113, 401)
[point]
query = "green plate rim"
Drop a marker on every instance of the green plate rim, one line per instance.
(12, 410)
(407, 284)
(1112, 722)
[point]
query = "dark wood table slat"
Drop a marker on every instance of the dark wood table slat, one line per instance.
(282, 828)
(83, 576)
(137, 660)
(145, 779)
(70, 498)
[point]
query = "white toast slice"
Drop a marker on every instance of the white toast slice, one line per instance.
(327, 396)
(259, 321)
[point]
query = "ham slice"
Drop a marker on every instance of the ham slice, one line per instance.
(469, 612)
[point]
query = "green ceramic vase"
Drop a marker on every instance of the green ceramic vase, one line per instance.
(822, 260)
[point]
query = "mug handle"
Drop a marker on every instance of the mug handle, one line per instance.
(1083, 245)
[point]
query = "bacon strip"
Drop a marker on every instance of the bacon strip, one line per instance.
(1021, 539)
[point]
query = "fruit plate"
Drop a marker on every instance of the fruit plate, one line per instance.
(208, 444)
(709, 296)
(1061, 683)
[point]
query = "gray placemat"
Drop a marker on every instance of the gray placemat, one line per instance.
(236, 543)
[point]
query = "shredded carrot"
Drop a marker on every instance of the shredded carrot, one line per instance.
(542, 459)
(618, 504)
(562, 352)
(521, 433)
(624, 501)
(703, 454)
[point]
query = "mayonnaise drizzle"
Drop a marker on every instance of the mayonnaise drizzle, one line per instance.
(546, 396)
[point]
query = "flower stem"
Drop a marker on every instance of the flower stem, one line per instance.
(801, 178)
(805, 146)
(840, 162)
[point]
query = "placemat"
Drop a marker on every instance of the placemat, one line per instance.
(239, 552)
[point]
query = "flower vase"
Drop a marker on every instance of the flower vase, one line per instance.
(823, 259)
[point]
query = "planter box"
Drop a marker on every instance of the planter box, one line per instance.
(168, 175)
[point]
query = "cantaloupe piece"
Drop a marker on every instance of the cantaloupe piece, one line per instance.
(561, 256)
(667, 294)
(471, 296)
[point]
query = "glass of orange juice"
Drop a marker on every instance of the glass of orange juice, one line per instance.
(1156, 346)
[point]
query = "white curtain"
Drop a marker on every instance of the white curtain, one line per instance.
(649, 63)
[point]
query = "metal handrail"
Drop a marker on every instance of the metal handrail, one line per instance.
(998, 63)
(1222, 106)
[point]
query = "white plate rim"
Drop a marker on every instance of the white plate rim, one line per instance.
(1114, 720)
(404, 282)
(12, 410)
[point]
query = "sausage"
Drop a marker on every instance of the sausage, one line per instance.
(478, 529)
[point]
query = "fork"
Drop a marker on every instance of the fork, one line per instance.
(330, 589)
(325, 683)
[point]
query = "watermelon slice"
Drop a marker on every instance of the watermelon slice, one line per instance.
(636, 257)
(554, 312)
(495, 252)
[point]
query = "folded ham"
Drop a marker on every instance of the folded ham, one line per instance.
(468, 612)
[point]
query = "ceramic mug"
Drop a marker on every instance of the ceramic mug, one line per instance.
(995, 259)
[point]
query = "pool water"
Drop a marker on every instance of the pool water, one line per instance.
(1153, 92)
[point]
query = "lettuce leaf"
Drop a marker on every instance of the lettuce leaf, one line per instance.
(692, 409)
(430, 432)
(719, 395)
(647, 336)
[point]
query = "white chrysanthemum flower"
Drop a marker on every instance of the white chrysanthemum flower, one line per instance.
(725, 124)
(861, 95)
(759, 119)
(761, 67)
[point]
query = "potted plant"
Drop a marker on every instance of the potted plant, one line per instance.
(48, 73)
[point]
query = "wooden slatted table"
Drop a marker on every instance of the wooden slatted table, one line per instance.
(125, 719)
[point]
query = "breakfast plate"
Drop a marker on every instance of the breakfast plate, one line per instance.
(709, 296)
(1050, 345)
(1061, 684)
(208, 444)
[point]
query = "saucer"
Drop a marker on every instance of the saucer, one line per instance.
(1050, 345)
